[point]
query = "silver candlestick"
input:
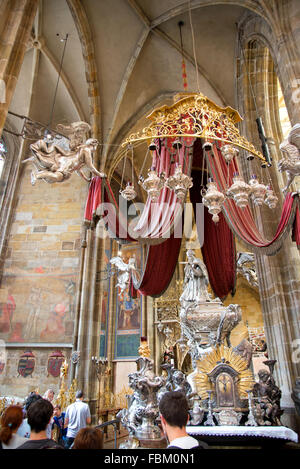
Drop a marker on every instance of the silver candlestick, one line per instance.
(251, 419)
(210, 419)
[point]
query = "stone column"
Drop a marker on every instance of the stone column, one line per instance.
(17, 18)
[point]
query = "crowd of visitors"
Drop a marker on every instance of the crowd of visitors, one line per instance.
(40, 425)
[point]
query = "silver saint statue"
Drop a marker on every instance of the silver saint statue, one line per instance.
(195, 281)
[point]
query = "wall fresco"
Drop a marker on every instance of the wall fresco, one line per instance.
(128, 312)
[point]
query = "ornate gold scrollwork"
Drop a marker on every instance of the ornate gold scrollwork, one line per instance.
(195, 116)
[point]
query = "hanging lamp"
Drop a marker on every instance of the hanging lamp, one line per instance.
(258, 190)
(129, 192)
(213, 200)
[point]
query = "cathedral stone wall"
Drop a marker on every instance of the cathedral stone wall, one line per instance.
(14, 384)
(40, 276)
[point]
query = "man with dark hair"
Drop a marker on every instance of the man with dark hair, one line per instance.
(39, 415)
(24, 429)
(77, 416)
(174, 414)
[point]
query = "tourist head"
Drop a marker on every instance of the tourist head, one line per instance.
(49, 394)
(57, 410)
(174, 409)
(39, 415)
(89, 438)
(10, 421)
(33, 397)
(79, 394)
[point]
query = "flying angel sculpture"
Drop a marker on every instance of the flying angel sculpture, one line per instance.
(53, 163)
(125, 271)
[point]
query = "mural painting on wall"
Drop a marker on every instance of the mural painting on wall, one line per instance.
(7, 309)
(128, 327)
(105, 278)
(26, 364)
(55, 361)
(37, 307)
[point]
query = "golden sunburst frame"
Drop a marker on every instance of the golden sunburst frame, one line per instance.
(222, 354)
(196, 116)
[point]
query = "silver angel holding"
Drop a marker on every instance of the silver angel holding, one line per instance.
(125, 271)
(195, 281)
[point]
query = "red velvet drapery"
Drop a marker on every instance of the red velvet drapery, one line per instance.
(296, 228)
(94, 199)
(241, 220)
(102, 203)
(160, 265)
(158, 219)
(161, 259)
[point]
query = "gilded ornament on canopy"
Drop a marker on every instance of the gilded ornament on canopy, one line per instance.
(194, 115)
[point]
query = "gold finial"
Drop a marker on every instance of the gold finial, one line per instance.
(144, 350)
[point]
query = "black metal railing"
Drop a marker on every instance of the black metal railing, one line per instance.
(115, 424)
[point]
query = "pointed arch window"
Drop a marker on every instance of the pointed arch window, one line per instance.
(283, 113)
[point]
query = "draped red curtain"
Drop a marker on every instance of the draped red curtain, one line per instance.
(158, 219)
(161, 259)
(102, 203)
(94, 199)
(218, 250)
(296, 228)
(240, 220)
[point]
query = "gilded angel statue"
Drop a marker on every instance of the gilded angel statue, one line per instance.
(56, 164)
(125, 271)
(290, 162)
